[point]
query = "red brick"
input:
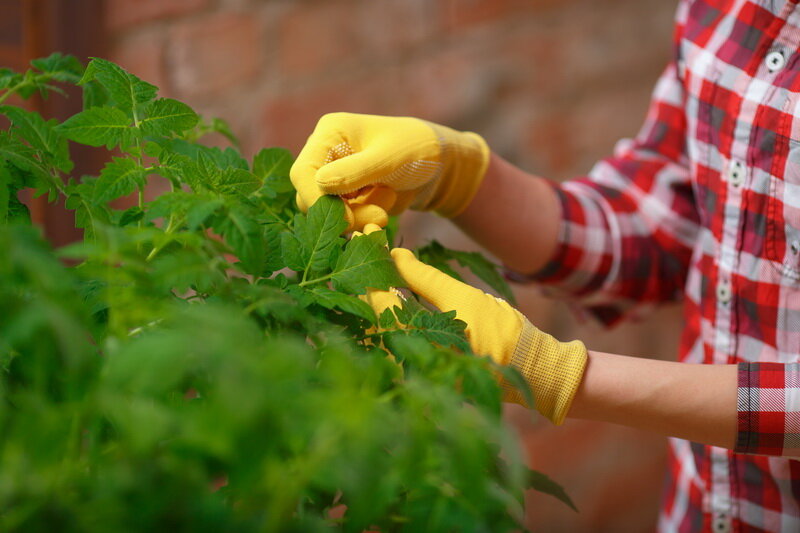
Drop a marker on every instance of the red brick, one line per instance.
(317, 37)
(460, 14)
(212, 54)
(121, 14)
(289, 119)
(446, 85)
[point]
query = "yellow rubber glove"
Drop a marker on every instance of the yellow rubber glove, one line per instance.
(552, 369)
(410, 162)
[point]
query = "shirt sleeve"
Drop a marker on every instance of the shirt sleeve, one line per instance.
(769, 409)
(628, 227)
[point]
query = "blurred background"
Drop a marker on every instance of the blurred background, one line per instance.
(551, 85)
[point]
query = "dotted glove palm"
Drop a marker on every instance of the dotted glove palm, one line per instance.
(551, 368)
(383, 165)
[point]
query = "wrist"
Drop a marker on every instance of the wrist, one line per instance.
(552, 369)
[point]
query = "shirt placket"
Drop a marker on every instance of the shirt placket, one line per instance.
(759, 89)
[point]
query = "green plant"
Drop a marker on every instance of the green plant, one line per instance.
(206, 364)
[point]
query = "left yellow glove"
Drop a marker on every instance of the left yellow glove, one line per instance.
(551, 368)
(382, 164)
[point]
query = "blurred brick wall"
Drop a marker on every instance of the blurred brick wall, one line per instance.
(551, 85)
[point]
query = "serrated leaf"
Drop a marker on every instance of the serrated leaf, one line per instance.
(441, 328)
(97, 126)
(366, 263)
(9, 78)
(272, 166)
(387, 319)
(24, 158)
(166, 116)
(320, 233)
(541, 483)
(270, 162)
(350, 304)
(438, 256)
(273, 240)
(5, 192)
(236, 181)
(94, 95)
(486, 271)
(196, 208)
(291, 252)
(124, 89)
(244, 235)
(118, 178)
(60, 67)
(40, 134)
(131, 216)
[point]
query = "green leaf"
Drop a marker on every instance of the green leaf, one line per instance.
(65, 68)
(196, 208)
(5, 192)
(292, 252)
(97, 126)
(320, 232)
(245, 236)
(350, 304)
(387, 319)
(486, 271)
(9, 78)
(131, 216)
(366, 263)
(272, 165)
(165, 116)
(40, 134)
(541, 483)
(94, 95)
(272, 162)
(124, 89)
(273, 240)
(119, 178)
(236, 181)
(24, 158)
(441, 328)
(438, 256)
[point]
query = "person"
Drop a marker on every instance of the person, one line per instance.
(703, 204)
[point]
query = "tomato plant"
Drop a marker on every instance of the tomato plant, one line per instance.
(206, 363)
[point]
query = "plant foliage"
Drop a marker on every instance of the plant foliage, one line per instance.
(206, 364)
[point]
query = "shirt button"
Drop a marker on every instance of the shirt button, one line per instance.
(736, 173)
(775, 61)
(724, 291)
(721, 524)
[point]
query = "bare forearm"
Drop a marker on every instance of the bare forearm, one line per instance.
(690, 401)
(515, 215)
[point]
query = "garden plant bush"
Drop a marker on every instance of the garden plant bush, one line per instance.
(202, 361)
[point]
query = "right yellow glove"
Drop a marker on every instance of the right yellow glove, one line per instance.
(384, 165)
(552, 369)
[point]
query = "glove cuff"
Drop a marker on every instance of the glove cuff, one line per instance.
(552, 369)
(464, 157)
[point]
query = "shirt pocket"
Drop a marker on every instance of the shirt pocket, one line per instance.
(783, 204)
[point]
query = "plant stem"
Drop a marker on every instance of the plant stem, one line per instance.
(305, 282)
(12, 90)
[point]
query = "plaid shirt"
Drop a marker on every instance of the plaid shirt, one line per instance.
(704, 205)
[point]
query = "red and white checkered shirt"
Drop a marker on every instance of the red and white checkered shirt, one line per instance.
(704, 205)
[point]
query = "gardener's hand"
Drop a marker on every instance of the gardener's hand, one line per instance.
(383, 165)
(551, 368)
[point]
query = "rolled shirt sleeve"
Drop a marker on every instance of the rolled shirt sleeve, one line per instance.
(769, 409)
(629, 226)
